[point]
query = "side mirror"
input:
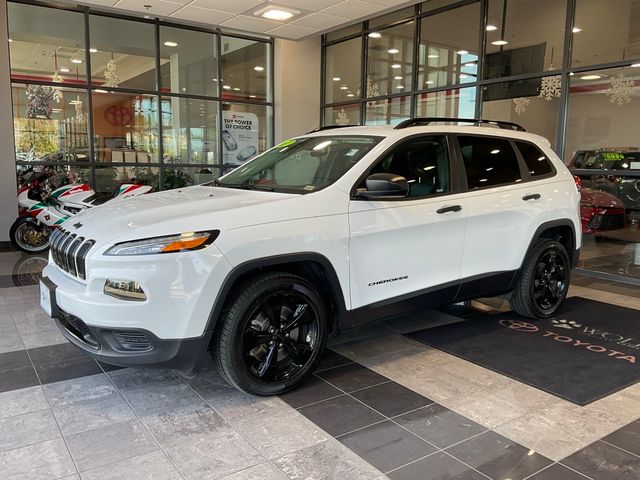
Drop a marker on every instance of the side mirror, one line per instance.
(384, 185)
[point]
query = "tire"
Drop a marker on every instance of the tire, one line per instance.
(28, 225)
(544, 280)
(253, 349)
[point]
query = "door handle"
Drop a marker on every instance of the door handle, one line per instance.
(450, 208)
(531, 196)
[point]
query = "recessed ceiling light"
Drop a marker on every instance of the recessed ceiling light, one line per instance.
(491, 28)
(393, 51)
(463, 75)
(396, 65)
(429, 82)
(499, 42)
(258, 68)
(494, 152)
(400, 86)
(64, 70)
(433, 55)
(170, 44)
(279, 14)
(344, 87)
(398, 77)
(470, 64)
(462, 52)
(571, 74)
(635, 65)
(252, 96)
(336, 79)
(93, 50)
(10, 40)
(236, 89)
(375, 35)
(227, 87)
(591, 77)
(99, 90)
(576, 30)
(350, 95)
(76, 60)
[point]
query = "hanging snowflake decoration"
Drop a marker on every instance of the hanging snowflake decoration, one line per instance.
(57, 91)
(342, 118)
(550, 87)
(621, 90)
(521, 104)
(111, 78)
(39, 98)
(77, 105)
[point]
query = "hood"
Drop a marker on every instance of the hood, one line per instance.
(169, 212)
(597, 198)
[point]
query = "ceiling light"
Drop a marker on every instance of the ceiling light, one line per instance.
(493, 152)
(398, 77)
(635, 65)
(462, 52)
(252, 96)
(396, 65)
(258, 68)
(236, 89)
(499, 43)
(99, 90)
(571, 74)
(170, 44)
(277, 13)
(375, 35)
(400, 87)
(591, 77)
(393, 51)
(336, 79)
(429, 82)
(76, 60)
(10, 40)
(227, 87)
(470, 64)
(93, 50)
(344, 87)
(64, 70)
(491, 28)
(576, 30)
(433, 55)
(463, 75)
(350, 95)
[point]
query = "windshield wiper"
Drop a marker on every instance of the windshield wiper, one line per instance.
(244, 186)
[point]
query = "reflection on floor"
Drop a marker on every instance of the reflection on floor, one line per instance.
(380, 406)
(611, 254)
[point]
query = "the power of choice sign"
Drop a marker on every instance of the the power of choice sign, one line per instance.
(239, 136)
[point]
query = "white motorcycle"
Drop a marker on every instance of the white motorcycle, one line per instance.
(43, 209)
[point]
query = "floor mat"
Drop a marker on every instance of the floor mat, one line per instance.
(587, 351)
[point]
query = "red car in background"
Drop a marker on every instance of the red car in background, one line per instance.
(600, 211)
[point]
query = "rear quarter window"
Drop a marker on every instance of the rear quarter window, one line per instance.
(538, 164)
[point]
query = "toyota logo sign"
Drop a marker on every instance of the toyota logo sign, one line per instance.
(519, 325)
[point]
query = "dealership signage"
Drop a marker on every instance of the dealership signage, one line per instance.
(239, 137)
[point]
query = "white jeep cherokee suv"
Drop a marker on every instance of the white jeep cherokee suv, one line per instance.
(321, 233)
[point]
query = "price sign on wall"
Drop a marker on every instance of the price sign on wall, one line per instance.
(239, 137)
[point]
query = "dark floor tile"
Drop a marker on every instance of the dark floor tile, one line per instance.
(9, 281)
(439, 425)
(438, 466)
(110, 368)
(7, 247)
(627, 438)
(340, 415)
(386, 446)
(391, 399)
(17, 359)
(312, 391)
(557, 472)
(55, 353)
(331, 359)
(68, 369)
(498, 457)
(17, 378)
(601, 461)
(352, 377)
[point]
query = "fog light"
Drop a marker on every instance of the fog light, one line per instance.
(124, 290)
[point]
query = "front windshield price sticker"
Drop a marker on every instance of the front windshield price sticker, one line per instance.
(239, 136)
(286, 143)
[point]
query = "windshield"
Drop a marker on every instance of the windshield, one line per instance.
(301, 165)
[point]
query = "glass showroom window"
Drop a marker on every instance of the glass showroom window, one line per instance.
(389, 111)
(188, 62)
(343, 64)
(519, 43)
(448, 53)
(122, 53)
(246, 132)
(389, 61)
(605, 31)
(532, 103)
(108, 177)
(342, 115)
(246, 69)
(454, 102)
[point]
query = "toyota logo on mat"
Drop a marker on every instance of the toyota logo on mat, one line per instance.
(519, 325)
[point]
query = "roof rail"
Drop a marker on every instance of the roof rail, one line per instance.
(329, 127)
(420, 121)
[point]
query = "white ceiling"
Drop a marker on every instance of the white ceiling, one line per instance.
(318, 16)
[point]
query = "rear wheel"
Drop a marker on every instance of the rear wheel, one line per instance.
(544, 280)
(29, 235)
(272, 334)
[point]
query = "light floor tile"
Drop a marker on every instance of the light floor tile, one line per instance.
(80, 389)
(27, 429)
(150, 466)
(264, 471)
(24, 400)
(485, 408)
(42, 461)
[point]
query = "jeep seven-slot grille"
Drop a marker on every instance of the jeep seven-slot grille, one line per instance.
(69, 252)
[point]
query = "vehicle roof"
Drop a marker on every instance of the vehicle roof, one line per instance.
(389, 131)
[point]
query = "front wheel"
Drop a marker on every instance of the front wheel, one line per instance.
(272, 334)
(544, 280)
(29, 235)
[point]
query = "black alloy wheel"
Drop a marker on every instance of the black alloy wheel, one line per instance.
(550, 280)
(272, 334)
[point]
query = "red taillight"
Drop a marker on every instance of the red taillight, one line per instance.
(578, 182)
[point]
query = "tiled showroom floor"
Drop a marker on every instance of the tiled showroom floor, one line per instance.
(380, 406)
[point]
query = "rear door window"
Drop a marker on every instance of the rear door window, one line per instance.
(489, 161)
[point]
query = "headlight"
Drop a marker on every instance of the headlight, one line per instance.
(170, 243)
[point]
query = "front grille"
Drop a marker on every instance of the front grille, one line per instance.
(69, 252)
(78, 329)
(606, 222)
